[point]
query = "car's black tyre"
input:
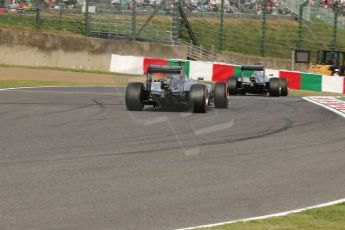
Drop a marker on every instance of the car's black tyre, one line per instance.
(284, 91)
(274, 87)
(134, 96)
(232, 85)
(199, 98)
(220, 95)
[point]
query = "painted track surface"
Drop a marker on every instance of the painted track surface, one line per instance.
(73, 158)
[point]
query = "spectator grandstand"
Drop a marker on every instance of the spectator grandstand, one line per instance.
(199, 23)
(273, 7)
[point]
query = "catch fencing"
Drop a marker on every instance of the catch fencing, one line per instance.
(265, 28)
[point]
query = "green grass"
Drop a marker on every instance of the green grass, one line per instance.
(243, 35)
(33, 83)
(63, 69)
(159, 28)
(240, 35)
(331, 217)
(52, 23)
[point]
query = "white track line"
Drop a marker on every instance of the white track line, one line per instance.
(324, 106)
(280, 213)
(268, 216)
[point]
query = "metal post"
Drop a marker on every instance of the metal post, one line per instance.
(300, 28)
(239, 6)
(38, 17)
(187, 24)
(133, 22)
(86, 29)
(202, 7)
(121, 5)
(37, 4)
(60, 19)
(175, 23)
(316, 8)
(293, 60)
(335, 24)
(221, 30)
(263, 30)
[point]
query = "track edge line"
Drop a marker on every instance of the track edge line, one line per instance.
(324, 106)
(279, 214)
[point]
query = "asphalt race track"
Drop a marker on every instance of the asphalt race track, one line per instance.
(74, 158)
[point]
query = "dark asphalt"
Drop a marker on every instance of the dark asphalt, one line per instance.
(74, 158)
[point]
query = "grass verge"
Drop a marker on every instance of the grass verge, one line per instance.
(23, 76)
(331, 217)
(62, 69)
(33, 83)
(241, 35)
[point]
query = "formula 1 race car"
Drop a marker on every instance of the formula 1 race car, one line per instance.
(257, 82)
(174, 88)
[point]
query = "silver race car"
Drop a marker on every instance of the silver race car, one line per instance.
(174, 88)
(257, 82)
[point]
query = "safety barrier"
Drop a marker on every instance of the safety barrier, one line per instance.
(314, 82)
(211, 71)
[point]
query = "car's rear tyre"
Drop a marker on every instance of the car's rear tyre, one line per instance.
(284, 91)
(199, 98)
(274, 87)
(220, 95)
(134, 96)
(232, 85)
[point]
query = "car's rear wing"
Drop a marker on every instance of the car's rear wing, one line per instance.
(253, 67)
(164, 69)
